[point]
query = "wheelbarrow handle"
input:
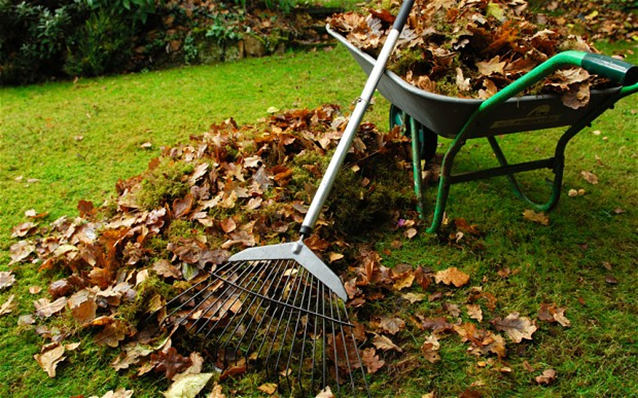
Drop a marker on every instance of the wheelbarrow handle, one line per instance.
(620, 72)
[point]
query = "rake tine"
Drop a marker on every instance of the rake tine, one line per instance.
(303, 340)
(294, 334)
(211, 305)
(245, 274)
(272, 280)
(314, 341)
(345, 347)
(334, 344)
(270, 303)
(281, 317)
(194, 296)
(221, 334)
(363, 373)
(281, 276)
(323, 335)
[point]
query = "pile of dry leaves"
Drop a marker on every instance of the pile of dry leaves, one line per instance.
(235, 187)
(472, 48)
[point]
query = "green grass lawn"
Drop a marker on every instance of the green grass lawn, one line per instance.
(40, 130)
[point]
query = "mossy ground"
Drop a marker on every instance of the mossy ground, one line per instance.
(561, 263)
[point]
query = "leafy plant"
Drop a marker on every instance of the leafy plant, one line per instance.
(224, 28)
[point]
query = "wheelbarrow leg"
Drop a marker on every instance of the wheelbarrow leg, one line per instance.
(557, 169)
(416, 164)
(444, 180)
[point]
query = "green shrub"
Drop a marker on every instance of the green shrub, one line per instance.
(101, 45)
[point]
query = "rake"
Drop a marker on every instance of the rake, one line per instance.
(279, 306)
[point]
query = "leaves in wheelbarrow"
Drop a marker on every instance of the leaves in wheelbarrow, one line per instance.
(473, 48)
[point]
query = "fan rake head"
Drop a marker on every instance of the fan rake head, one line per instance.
(278, 315)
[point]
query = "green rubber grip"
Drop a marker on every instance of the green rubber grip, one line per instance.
(619, 71)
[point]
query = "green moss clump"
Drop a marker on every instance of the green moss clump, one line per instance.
(180, 229)
(163, 183)
(135, 311)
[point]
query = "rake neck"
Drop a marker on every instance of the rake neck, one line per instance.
(355, 119)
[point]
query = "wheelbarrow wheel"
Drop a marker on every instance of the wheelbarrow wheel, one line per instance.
(427, 139)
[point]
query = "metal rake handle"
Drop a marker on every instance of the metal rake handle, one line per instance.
(355, 119)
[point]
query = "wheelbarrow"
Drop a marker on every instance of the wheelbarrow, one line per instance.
(426, 115)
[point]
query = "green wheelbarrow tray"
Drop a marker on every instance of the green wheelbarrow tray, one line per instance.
(426, 115)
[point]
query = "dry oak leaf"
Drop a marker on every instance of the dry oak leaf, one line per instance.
(516, 327)
(82, 305)
(371, 360)
(474, 311)
(112, 333)
(35, 289)
(45, 308)
(429, 349)
(7, 279)
(49, 357)
(187, 386)
(404, 280)
(540, 217)
(228, 225)
(24, 229)
(268, 388)
(452, 276)
(413, 297)
(589, 177)
(167, 270)
(550, 313)
(325, 393)
(547, 377)
(7, 306)
(216, 392)
(332, 257)
(170, 362)
(492, 66)
(119, 393)
(20, 251)
(391, 325)
(410, 233)
(384, 343)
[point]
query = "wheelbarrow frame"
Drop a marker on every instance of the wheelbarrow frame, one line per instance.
(429, 115)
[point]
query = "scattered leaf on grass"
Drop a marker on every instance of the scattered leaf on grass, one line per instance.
(516, 327)
(35, 289)
(24, 229)
(7, 279)
(550, 313)
(216, 392)
(547, 377)
(589, 177)
(611, 279)
(119, 393)
(45, 308)
(325, 393)
(82, 305)
(430, 348)
(474, 311)
(26, 319)
(7, 306)
(391, 325)
(268, 388)
(371, 360)
(384, 343)
(540, 217)
(452, 276)
(20, 251)
(49, 357)
(410, 233)
(187, 386)
(413, 297)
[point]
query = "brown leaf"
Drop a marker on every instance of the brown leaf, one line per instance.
(332, 257)
(170, 362)
(45, 308)
(452, 276)
(325, 393)
(60, 288)
(82, 305)
(540, 217)
(7, 306)
(410, 233)
(492, 66)
(49, 357)
(413, 297)
(216, 392)
(550, 313)
(20, 251)
(547, 377)
(22, 230)
(404, 280)
(7, 279)
(429, 349)
(85, 208)
(371, 360)
(183, 206)
(474, 311)
(35, 289)
(391, 325)
(23, 320)
(268, 388)
(165, 269)
(112, 334)
(516, 327)
(119, 393)
(228, 225)
(238, 368)
(384, 343)
(589, 177)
